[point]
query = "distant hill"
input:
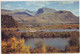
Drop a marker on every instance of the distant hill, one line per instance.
(8, 22)
(43, 16)
(20, 11)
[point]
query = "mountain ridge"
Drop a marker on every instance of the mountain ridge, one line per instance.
(47, 16)
(45, 10)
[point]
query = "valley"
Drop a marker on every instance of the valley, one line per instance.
(41, 31)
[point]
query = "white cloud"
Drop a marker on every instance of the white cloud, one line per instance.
(37, 4)
(77, 10)
(6, 6)
(19, 5)
(67, 2)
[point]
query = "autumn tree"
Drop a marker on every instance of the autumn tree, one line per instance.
(15, 46)
(44, 49)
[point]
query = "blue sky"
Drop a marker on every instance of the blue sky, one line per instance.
(72, 6)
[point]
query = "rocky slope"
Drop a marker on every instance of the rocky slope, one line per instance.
(8, 22)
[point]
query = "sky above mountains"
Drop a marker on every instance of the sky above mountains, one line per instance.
(72, 6)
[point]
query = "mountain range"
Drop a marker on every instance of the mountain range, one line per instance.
(43, 16)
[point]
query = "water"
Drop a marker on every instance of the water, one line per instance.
(59, 30)
(59, 43)
(53, 30)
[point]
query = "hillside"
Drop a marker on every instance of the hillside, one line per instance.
(43, 16)
(8, 22)
(57, 17)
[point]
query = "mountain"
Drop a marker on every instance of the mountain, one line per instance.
(8, 21)
(20, 11)
(19, 15)
(58, 17)
(45, 10)
(43, 16)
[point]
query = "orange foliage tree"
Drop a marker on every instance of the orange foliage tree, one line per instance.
(14, 46)
(44, 49)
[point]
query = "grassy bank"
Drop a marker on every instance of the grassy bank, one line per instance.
(39, 34)
(58, 26)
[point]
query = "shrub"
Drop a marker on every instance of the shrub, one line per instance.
(74, 41)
